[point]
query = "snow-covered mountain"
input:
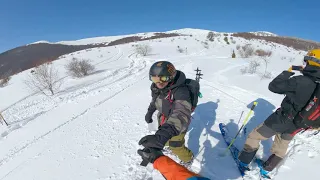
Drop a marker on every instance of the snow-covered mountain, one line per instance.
(90, 128)
(107, 39)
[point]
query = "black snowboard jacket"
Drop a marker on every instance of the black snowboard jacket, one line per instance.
(298, 91)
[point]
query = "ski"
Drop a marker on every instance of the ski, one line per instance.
(263, 172)
(234, 151)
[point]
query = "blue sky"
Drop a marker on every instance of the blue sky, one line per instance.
(26, 21)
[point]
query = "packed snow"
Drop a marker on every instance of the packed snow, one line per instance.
(90, 129)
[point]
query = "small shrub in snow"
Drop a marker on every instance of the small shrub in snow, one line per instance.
(143, 49)
(226, 40)
(4, 81)
(180, 50)
(210, 36)
(5, 78)
(79, 68)
(267, 75)
(263, 53)
(225, 34)
(252, 68)
(205, 43)
(291, 59)
(244, 70)
(246, 51)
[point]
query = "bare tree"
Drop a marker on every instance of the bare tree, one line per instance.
(253, 66)
(264, 55)
(79, 68)
(143, 49)
(45, 78)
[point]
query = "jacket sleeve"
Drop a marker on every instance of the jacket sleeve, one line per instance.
(283, 83)
(181, 111)
(172, 170)
(152, 106)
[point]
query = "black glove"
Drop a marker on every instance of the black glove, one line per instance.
(148, 117)
(150, 154)
(160, 138)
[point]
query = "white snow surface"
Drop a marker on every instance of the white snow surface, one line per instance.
(90, 129)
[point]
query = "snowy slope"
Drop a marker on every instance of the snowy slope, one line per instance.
(90, 129)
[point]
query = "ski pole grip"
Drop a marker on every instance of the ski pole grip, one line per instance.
(144, 163)
(254, 105)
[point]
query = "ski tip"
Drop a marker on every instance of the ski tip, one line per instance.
(266, 176)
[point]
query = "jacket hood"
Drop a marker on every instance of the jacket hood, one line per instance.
(179, 79)
(312, 72)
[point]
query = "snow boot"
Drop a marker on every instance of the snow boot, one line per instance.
(272, 162)
(246, 157)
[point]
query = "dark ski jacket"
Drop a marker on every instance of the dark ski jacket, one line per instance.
(298, 91)
(176, 113)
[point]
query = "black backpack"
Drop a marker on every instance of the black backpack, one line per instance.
(194, 89)
(309, 116)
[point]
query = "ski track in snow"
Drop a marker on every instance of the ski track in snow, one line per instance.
(117, 85)
(228, 100)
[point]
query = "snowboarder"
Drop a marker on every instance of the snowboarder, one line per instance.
(166, 166)
(282, 123)
(172, 99)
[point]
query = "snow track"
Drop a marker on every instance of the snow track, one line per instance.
(90, 129)
(110, 86)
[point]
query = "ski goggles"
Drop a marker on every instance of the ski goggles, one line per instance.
(160, 79)
(311, 58)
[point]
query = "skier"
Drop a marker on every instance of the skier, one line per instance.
(166, 166)
(282, 123)
(171, 97)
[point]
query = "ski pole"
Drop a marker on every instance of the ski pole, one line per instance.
(244, 123)
(240, 117)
